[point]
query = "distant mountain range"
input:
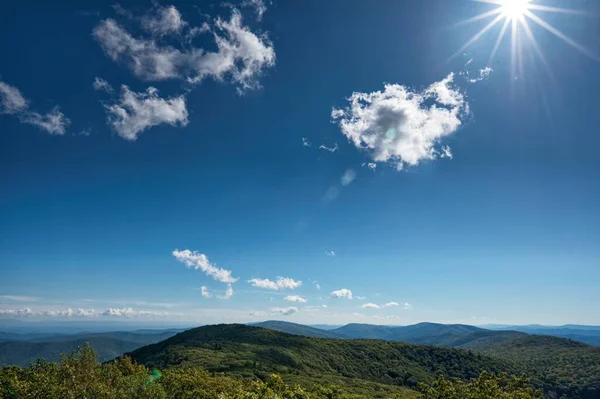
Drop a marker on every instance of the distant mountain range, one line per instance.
(24, 349)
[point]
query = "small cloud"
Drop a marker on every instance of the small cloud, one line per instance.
(86, 132)
(284, 311)
(100, 84)
(370, 306)
(360, 298)
(257, 313)
(228, 293)
(446, 152)
(200, 261)
(280, 284)
(295, 298)
(330, 149)
(331, 253)
(131, 313)
(370, 165)
(12, 102)
(407, 305)
(166, 20)
(135, 112)
(483, 74)
(259, 7)
(317, 285)
(390, 304)
(342, 293)
(204, 291)
(305, 142)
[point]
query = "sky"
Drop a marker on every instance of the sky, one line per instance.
(316, 162)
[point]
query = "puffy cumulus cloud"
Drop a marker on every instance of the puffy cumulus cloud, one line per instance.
(343, 293)
(205, 292)
(241, 55)
(130, 313)
(400, 125)
(370, 306)
(228, 293)
(100, 84)
(200, 261)
(12, 102)
(284, 311)
(280, 284)
(295, 298)
(135, 112)
(166, 20)
(48, 313)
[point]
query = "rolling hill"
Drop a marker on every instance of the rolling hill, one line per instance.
(249, 351)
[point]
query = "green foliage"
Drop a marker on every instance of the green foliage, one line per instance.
(486, 386)
(79, 375)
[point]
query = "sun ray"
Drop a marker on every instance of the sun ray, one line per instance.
(496, 2)
(560, 35)
(534, 42)
(540, 7)
(499, 40)
(477, 36)
(479, 17)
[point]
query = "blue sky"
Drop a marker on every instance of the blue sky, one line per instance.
(318, 162)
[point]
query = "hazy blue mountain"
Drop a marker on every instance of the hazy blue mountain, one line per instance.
(298, 329)
(369, 331)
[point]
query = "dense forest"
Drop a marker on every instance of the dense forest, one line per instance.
(80, 375)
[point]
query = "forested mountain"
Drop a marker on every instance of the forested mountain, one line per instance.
(560, 366)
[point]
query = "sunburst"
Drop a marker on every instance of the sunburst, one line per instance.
(516, 15)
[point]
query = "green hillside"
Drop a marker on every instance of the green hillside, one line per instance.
(248, 351)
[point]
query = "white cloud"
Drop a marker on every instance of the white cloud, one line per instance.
(343, 293)
(446, 152)
(200, 261)
(228, 293)
(370, 306)
(483, 74)
(130, 312)
(360, 298)
(135, 112)
(330, 149)
(317, 285)
(372, 165)
(205, 292)
(331, 253)
(12, 102)
(257, 313)
(25, 312)
(259, 7)
(280, 284)
(284, 311)
(390, 304)
(407, 305)
(295, 298)
(400, 125)
(100, 84)
(167, 20)
(11, 99)
(241, 55)
(305, 142)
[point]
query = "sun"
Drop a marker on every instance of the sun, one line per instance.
(514, 9)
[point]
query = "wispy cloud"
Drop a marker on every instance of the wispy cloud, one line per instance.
(100, 84)
(132, 313)
(280, 284)
(28, 312)
(305, 142)
(200, 261)
(295, 298)
(256, 313)
(205, 292)
(400, 125)
(228, 293)
(483, 74)
(18, 298)
(284, 311)
(259, 7)
(241, 55)
(317, 285)
(135, 112)
(331, 253)
(370, 306)
(330, 149)
(342, 293)
(12, 102)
